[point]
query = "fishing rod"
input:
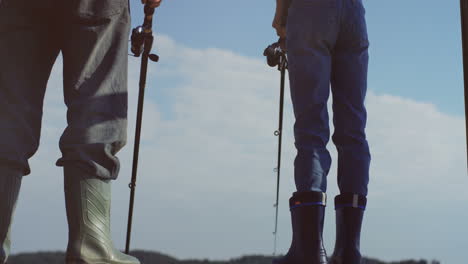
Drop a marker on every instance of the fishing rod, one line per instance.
(141, 44)
(276, 57)
(464, 32)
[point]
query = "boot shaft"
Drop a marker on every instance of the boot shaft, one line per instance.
(10, 184)
(349, 215)
(88, 203)
(88, 215)
(307, 218)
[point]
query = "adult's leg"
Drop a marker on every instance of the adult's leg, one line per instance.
(95, 88)
(95, 55)
(27, 50)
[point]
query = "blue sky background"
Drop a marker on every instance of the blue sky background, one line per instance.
(414, 44)
(206, 183)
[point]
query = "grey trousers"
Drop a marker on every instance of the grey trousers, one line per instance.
(92, 36)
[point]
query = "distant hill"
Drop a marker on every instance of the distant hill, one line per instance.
(147, 257)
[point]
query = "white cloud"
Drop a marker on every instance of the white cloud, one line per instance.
(206, 182)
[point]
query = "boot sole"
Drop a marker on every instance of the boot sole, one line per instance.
(80, 261)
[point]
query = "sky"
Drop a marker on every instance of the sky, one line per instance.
(206, 183)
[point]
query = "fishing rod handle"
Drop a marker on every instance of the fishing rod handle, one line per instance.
(148, 21)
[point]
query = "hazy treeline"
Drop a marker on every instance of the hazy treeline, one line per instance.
(147, 257)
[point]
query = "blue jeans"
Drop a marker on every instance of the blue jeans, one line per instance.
(92, 36)
(327, 48)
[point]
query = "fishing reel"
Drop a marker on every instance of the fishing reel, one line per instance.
(137, 41)
(274, 54)
(142, 36)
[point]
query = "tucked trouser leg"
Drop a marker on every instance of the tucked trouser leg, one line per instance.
(28, 50)
(349, 87)
(95, 86)
(309, 91)
(310, 36)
